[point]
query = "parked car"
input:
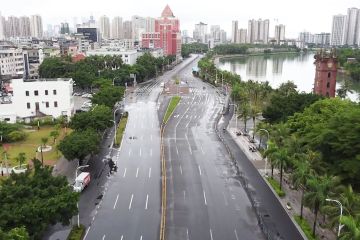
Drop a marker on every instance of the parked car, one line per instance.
(82, 181)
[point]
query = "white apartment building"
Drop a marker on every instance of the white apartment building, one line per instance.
(36, 26)
(241, 35)
(234, 31)
(258, 31)
(279, 33)
(30, 99)
(338, 30)
(117, 28)
(138, 27)
(352, 27)
(104, 26)
(11, 62)
(128, 56)
(200, 32)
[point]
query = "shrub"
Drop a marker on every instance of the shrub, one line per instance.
(15, 136)
(276, 186)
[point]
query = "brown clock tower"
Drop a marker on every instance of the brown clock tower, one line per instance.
(325, 75)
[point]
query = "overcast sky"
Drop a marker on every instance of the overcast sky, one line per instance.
(311, 15)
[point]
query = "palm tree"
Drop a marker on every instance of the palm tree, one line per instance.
(299, 177)
(44, 141)
(352, 228)
(319, 189)
(244, 113)
(55, 134)
(21, 158)
(270, 153)
(281, 160)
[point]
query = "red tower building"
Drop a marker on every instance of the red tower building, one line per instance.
(325, 74)
(167, 34)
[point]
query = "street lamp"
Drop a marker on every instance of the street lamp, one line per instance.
(341, 211)
(115, 123)
(77, 204)
(236, 118)
(268, 136)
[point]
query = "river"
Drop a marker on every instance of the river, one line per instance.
(277, 69)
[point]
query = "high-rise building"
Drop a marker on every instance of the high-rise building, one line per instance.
(241, 36)
(200, 32)
(223, 38)
(117, 28)
(306, 37)
(322, 39)
(2, 27)
(127, 28)
(167, 34)
(104, 26)
(234, 32)
(36, 26)
(24, 26)
(13, 26)
(258, 31)
(352, 27)
(150, 24)
(215, 32)
(279, 33)
(138, 27)
(338, 30)
(64, 28)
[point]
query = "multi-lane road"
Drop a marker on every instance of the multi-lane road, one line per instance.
(206, 198)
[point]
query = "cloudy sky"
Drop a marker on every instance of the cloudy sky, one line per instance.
(311, 15)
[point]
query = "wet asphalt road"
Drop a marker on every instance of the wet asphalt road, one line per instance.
(204, 200)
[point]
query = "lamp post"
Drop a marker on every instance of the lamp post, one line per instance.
(115, 124)
(268, 136)
(77, 204)
(341, 211)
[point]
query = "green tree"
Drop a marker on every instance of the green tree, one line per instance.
(281, 161)
(98, 119)
(108, 96)
(44, 141)
(270, 153)
(319, 189)
(35, 200)
(21, 158)
(351, 228)
(78, 145)
(15, 234)
(55, 134)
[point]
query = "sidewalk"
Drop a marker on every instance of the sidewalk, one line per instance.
(293, 196)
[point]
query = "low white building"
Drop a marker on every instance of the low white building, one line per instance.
(29, 99)
(11, 61)
(128, 56)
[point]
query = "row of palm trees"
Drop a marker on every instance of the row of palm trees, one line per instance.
(308, 175)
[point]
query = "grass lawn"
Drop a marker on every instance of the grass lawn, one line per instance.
(76, 233)
(32, 142)
(305, 227)
(120, 131)
(276, 186)
(172, 105)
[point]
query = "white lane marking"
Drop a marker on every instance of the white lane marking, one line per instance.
(187, 125)
(177, 150)
(132, 196)
(225, 200)
(103, 238)
(236, 235)
(184, 193)
(140, 152)
(150, 151)
(211, 236)
(87, 231)
(137, 172)
(122, 237)
(201, 148)
(141, 237)
(149, 172)
(147, 199)
(124, 173)
(117, 197)
(187, 139)
(205, 198)
(129, 152)
(187, 234)
(150, 137)
(181, 170)
(199, 169)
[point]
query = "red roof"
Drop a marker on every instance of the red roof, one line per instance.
(78, 57)
(167, 12)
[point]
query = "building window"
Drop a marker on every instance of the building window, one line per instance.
(329, 74)
(328, 85)
(54, 92)
(55, 104)
(28, 105)
(47, 104)
(46, 92)
(27, 93)
(36, 93)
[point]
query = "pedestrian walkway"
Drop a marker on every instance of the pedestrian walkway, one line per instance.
(292, 196)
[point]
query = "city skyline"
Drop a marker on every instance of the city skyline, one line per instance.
(192, 12)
